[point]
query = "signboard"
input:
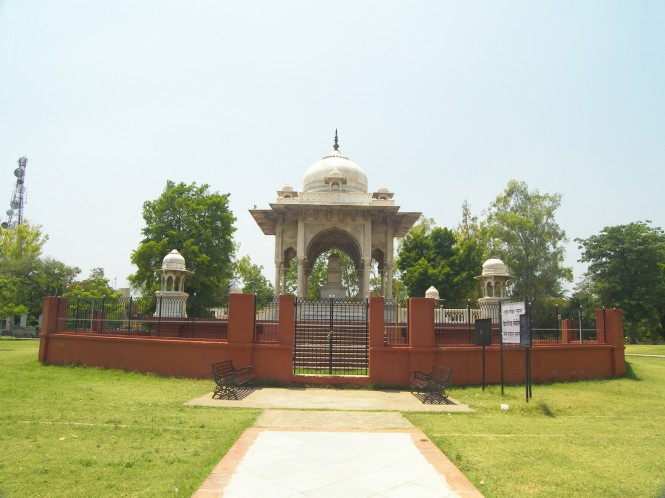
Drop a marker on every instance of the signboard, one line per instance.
(483, 329)
(510, 322)
(525, 331)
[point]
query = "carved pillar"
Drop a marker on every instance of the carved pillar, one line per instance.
(367, 257)
(389, 280)
(302, 278)
(389, 259)
(278, 278)
(300, 255)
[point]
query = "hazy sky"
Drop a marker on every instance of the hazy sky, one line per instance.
(440, 101)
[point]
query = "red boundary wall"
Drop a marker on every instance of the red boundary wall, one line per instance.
(389, 365)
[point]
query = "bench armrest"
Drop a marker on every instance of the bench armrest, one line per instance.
(246, 370)
(419, 375)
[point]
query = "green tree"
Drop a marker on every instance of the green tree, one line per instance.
(199, 224)
(25, 278)
(253, 281)
(449, 260)
(96, 286)
(55, 276)
(523, 232)
(627, 270)
(471, 241)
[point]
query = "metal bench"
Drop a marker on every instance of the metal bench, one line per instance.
(229, 379)
(432, 385)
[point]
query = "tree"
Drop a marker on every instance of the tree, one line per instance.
(449, 260)
(523, 232)
(627, 270)
(253, 281)
(199, 224)
(95, 287)
(25, 277)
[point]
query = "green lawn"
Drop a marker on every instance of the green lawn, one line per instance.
(658, 349)
(69, 431)
(596, 438)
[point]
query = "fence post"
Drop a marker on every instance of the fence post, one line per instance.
(76, 315)
(159, 316)
(468, 321)
(101, 325)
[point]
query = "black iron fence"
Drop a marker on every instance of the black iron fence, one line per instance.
(550, 323)
(396, 331)
(331, 337)
(144, 316)
(454, 323)
(266, 323)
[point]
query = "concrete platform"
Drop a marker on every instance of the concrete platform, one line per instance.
(301, 398)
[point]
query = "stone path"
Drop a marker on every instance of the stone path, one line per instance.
(321, 452)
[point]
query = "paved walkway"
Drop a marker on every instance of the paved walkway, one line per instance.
(331, 443)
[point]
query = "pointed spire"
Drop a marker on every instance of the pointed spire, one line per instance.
(336, 145)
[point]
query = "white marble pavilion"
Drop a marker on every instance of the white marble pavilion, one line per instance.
(335, 210)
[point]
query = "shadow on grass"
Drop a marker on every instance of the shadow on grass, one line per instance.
(630, 373)
(546, 410)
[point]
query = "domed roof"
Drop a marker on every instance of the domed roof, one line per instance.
(337, 165)
(173, 261)
(494, 267)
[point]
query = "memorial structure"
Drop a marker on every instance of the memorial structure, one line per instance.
(335, 210)
(172, 298)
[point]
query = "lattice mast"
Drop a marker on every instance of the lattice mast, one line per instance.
(15, 211)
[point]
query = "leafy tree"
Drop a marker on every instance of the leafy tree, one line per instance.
(471, 241)
(55, 277)
(25, 277)
(95, 287)
(627, 270)
(253, 281)
(199, 224)
(449, 260)
(523, 232)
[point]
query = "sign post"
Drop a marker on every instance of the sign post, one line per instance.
(483, 337)
(510, 326)
(525, 342)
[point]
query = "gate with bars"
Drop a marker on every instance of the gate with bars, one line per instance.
(331, 337)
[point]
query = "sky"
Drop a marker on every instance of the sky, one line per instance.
(440, 101)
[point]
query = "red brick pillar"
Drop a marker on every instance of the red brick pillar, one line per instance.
(241, 318)
(421, 322)
(287, 313)
(612, 325)
(567, 329)
(376, 322)
(53, 308)
(240, 334)
(98, 317)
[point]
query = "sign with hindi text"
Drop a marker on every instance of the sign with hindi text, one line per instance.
(510, 322)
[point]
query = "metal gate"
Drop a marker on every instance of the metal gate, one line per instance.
(331, 337)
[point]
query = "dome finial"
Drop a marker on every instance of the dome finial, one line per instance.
(336, 145)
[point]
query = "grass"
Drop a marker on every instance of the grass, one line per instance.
(69, 431)
(593, 438)
(658, 349)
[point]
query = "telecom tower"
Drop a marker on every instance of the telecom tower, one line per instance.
(15, 213)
